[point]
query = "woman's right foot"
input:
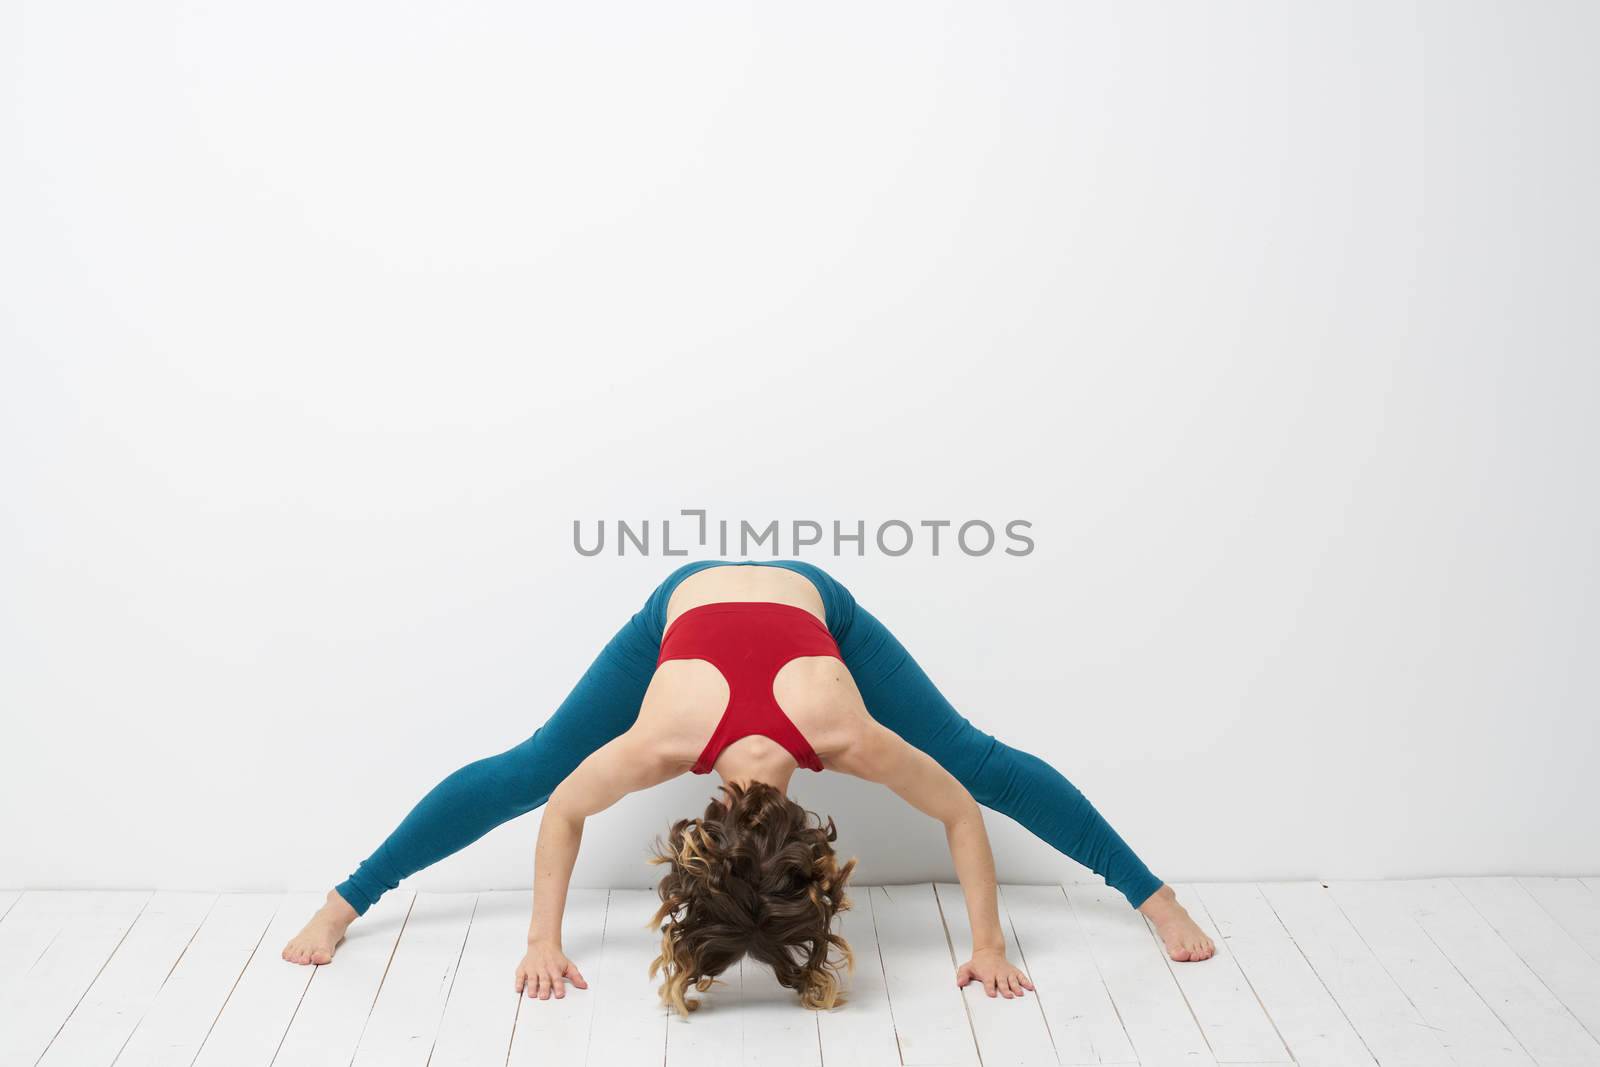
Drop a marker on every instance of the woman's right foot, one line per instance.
(1179, 933)
(315, 944)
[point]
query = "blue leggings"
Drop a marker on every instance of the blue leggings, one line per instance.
(491, 791)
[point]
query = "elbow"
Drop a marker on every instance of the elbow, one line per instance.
(560, 810)
(965, 813)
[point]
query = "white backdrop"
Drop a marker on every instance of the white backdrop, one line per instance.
(324, 321)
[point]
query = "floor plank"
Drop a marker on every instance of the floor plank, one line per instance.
(25, 933)
(635, 1030)
(405, 1019)
(481, 1014)
(1471, 971)
(1077, 1007)
(1388, 1023)
(860, 1033)
(1548, 950)
(1159, 1023)
(558, 1031)
(1573, 904)
(1536, 1018)
(1310, 1021)
(775, 1029)
(79, 932)
(1007, 1031)
(172, 1031)
(130, 980)
(255, 1017)
(1472, 1034)
(713, 1034)
(930, 1017)
(1235, 1025)
(339, 999)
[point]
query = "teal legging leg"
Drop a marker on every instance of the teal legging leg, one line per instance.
(1015, 783)
(897, 692)
(483, 794)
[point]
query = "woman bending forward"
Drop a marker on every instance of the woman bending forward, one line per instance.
(752, 670)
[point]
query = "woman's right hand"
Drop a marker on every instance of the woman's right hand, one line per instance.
(546, 969)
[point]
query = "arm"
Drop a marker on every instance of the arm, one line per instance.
(880, 755)
(623, 765)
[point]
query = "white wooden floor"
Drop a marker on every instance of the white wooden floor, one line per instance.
(1463, 971)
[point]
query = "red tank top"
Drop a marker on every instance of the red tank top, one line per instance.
(749, 642)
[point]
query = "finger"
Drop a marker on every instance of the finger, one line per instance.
(577, 977)
(964, 974)
(1016, 984)
(1027, 983)
(520, 980)
(988, 986)
(561, 988)
(544, 987)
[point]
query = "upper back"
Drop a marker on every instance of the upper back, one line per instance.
(745, 582)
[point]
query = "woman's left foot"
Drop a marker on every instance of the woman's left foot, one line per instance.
(315, 944)
(1182, 936)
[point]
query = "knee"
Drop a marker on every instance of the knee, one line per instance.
(1008, 779)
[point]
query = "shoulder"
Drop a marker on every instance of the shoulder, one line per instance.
(627, 763)
(864, 748)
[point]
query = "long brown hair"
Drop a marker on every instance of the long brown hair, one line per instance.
(756, 875)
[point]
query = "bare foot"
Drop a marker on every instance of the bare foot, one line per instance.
(1183, 938)
(315, 944)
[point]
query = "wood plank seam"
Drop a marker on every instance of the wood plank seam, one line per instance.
(1536, 972)
(1117, 1010)
(387, 963)
(170, 972)
(522, 999)
(1318, 974)
(1199, 902)
(950, 946)
(1537, 899)
(1022, 955)
(290, 1024)
(98, 972)
(237, 979)
(1481, 998)
(883, 968)
(200, 1049)
(1332, 897)
(1150, 929)
(454, 974)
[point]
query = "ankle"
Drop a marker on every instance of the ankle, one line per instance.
(1161, 902)
(339, 908)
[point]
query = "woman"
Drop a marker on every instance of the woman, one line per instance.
(777, 665)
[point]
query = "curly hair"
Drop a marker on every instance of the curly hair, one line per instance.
(755, 875)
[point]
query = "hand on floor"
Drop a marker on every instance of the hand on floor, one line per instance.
(546, 970)
(1000, 977)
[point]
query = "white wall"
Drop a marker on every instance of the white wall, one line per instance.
(323, 322)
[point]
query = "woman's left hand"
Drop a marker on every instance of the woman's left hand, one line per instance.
(1000, 977)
